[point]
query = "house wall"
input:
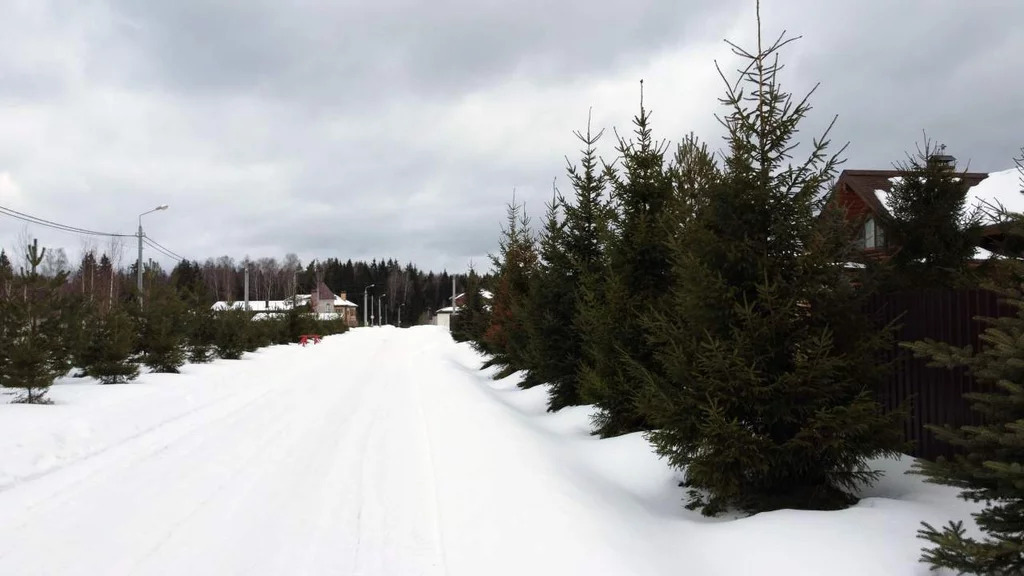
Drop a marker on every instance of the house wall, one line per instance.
(855, 207)
(856, 211)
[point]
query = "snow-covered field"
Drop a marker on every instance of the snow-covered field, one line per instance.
(386, 451)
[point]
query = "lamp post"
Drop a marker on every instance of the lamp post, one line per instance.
(365, 309)
(380, 306)
(139, 263)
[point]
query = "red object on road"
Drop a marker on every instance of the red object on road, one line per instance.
(304, 339)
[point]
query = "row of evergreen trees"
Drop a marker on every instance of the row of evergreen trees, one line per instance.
(48, 328)
(712, 305)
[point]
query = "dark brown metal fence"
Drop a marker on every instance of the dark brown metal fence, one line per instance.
(935, 395)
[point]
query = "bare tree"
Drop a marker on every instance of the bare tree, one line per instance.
(116, 256)
(226, 271)
(269, 276)
(55, 262)
(210, 276)
(88, 276)
(18, 256)
(289, 271)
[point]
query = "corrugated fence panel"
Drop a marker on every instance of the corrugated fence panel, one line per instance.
(935, 395)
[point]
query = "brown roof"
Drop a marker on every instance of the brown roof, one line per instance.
(865, 182)
(323, 292)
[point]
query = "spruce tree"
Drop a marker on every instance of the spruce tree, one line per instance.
(471, 321)
(933, 229)
(506, 337)
(198, 318)
(110, 356)
(585, 236)
(766, 364)
(33, 341)
(8, 313)
(550, 306)
(989, 465)
(68, 327)
(231, 333)
(6, 275)
(163, 329)
(638, 277)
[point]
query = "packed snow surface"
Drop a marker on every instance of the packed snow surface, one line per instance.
(386, 451)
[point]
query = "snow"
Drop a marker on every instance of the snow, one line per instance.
(998, 189)
(387, 451)
(342, 303)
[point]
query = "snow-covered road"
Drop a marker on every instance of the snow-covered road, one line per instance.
(360, 455)
(388, 452)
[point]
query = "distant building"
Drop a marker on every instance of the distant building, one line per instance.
(443, 316)
(321, 301)
(864, 196)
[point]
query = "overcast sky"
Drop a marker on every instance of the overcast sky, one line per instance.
(400, 129)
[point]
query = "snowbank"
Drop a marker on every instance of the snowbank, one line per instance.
(876, 536)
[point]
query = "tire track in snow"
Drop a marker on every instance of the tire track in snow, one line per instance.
(426, 434)
(137, 435)
(107, 461)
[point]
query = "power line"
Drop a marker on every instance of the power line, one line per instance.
(155, 246)
(62, 227)
(167, 250)
(76, 230)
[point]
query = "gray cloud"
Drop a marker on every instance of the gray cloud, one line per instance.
(347, 130)
(342, 54)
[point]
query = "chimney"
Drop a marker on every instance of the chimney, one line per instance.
(940, 157)
(343, 295)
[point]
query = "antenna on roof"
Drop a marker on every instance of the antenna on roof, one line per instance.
(941, 157)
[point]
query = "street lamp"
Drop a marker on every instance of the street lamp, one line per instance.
(139, 263)
(365, 309)
(380, 307)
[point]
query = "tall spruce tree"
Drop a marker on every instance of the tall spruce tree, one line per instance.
(766, 364)
(638, 277)
(586, 236)
(929, 221)
(990, 464)
(506, 337)
(550, 306)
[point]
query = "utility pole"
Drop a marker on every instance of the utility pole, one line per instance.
(451, 319)
(366, 309)
(246, 286)
(138, 263)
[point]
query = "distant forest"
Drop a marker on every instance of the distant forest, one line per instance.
(417, 292)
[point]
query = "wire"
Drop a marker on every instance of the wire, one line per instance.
(166, 250)
(63, 227)
(161, 249)
(74, 229)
